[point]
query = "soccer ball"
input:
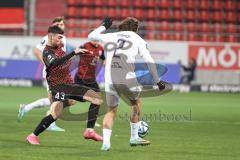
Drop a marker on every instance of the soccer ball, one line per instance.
(143, 129)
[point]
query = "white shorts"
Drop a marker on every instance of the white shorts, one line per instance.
(114, 92)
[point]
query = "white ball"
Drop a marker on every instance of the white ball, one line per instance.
(143, 129)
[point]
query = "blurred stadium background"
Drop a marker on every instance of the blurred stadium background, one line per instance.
(176, 31)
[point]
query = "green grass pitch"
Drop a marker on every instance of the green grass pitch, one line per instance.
(187, 126)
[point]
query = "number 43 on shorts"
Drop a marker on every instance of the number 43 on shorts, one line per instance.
(60, 96)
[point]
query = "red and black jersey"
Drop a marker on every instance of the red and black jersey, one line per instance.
(57, 66)
(88, 61)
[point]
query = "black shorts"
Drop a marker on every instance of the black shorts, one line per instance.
(91, 83)
(64, 92)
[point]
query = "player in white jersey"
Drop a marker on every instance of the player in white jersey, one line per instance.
(121, 49)
(43, 102)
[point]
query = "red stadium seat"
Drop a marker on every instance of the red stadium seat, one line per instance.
(164, 4)
(191, 4)
(84, 2)
(204, 16)
(204, 4)
(230, 5)
(205, 37)
(71, 33)
(124, 12)
(72, 12)
(177, 36)
(191, 15)
(231, 28)
(124, 3)
(217, 27)
(219, 38)
(177, 4)
(150, 35)
(164, 26)
(112, 13)
(111, 3)
(98, 3)
(177, 26)
(231, 17)
(163, 36)
(138, 13)
(231, 38)
(138, 3)
(85, 12)
(205, 27)
(71, 23)
(151, 14)
(217, 16)
(217, 4)
(192, 37)
(150, 25)
(99, 12)
(164, 15)
(83, 34)
(72, 2)
(191, 27)
(96, 23)
(177, 15)
(150, 3)
(83, 24)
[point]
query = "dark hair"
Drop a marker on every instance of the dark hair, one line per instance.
(55, 29)
(58, 19)
(128, 24)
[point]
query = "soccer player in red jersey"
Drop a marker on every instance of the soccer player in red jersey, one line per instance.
(60, 82)
(86, 76)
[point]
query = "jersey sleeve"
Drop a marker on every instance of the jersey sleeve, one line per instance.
(51, 60)
(145, 54)
(97, 35)
(48, 57)
(42, 44)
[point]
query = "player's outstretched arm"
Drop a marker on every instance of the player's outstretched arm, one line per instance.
(79, 51)
(51, 60)
(97, 33)
(144, 52)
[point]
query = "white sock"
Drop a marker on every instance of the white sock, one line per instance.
(52, 124)
(106, 136)
(134, 130)
(37, 104)
(90, 129)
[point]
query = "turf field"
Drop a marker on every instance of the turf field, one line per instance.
(187, 126)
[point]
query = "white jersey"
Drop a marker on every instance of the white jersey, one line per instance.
(126, 43)
(43, 44)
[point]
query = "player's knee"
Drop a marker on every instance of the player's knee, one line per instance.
(57, 108)
(71, 102)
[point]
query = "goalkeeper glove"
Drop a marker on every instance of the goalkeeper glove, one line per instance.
(107, 22)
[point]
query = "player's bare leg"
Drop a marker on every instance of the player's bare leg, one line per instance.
(108, 122)
(135, 117)
(93, 97)
(24, 108)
